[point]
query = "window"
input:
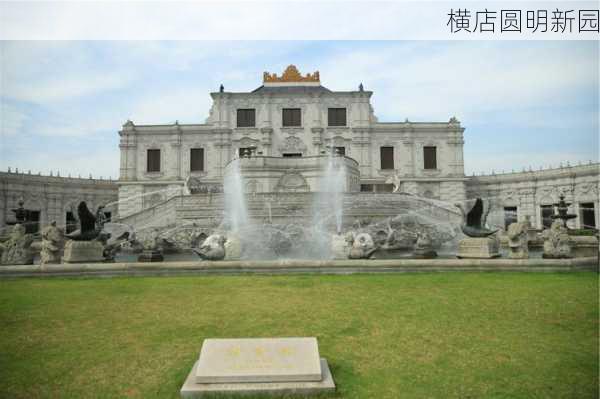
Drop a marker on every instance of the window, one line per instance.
(292, 155)
(246, 117)
(291, 117)
(366, 188)
(108, 215)
(71, 224)
(510, 216)
(336, 117)
(340, 150)
(153, 164)
(387, 157)
(588, 215)
(32, 225)
(547, 212)
(429, 157)
(196, 159)
(245, 151)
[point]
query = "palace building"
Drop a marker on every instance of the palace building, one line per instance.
(286, 124)
(281, 130)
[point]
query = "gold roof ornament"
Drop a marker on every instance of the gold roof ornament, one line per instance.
(290, 74)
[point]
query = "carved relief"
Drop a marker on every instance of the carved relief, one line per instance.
(252, 187)
(292, 181)
(292, 145)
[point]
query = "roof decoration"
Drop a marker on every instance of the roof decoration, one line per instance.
(290, 74)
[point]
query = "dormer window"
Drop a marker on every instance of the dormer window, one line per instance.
(291, 117)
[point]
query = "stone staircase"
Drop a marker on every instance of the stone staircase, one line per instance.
(207, 210)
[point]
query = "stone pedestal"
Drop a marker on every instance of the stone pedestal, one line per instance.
(83, 252)
(150, 256)
(479, 248)
(258, 366)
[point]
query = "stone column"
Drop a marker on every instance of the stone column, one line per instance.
(409, 164)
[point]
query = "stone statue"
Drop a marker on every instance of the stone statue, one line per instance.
(100, 218)
(52, 243)
(474, 221)
(557, 244)
(363, 246)
(423, 247)
(152, 251)
(87, 243)
(112, 247)
(517, 241)
(17, 250)
(478, 244)
(87, 225)
(213, 248)
(340, 245)
(395, 181)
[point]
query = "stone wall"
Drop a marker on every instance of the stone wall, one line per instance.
(529, 191)
(53, 196)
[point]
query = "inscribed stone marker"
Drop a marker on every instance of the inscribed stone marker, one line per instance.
(259, 360)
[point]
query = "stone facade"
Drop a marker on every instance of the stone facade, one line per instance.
(533, 193)
(359, 135)
(51, 197)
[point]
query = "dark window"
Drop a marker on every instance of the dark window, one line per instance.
(340, 150)
(196, 159)
(291, 116)
(153, 161)
(387, 157)
(32, 225)
(245, 151)
(108, 215)
(71, 224)
(588, 215)
(366, 188)
(292, 155)
(337, 116)
(510, 215)
(547, 212)
(246, 117)
(430, 158)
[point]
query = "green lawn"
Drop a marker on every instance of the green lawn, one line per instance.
(455, 335)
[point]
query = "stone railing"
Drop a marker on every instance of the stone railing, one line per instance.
(313, 162)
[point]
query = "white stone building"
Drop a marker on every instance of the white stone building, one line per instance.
(53, 198)
(531, 195)
(286, 123)
(289, 117)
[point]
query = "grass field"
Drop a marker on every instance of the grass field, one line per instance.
(455, 335)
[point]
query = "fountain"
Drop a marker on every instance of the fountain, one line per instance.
(562, 209)
(236, 210)
(331, 188)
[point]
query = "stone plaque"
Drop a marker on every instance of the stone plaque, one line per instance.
(259, 360)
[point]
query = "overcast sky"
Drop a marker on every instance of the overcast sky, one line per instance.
(523, 103)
